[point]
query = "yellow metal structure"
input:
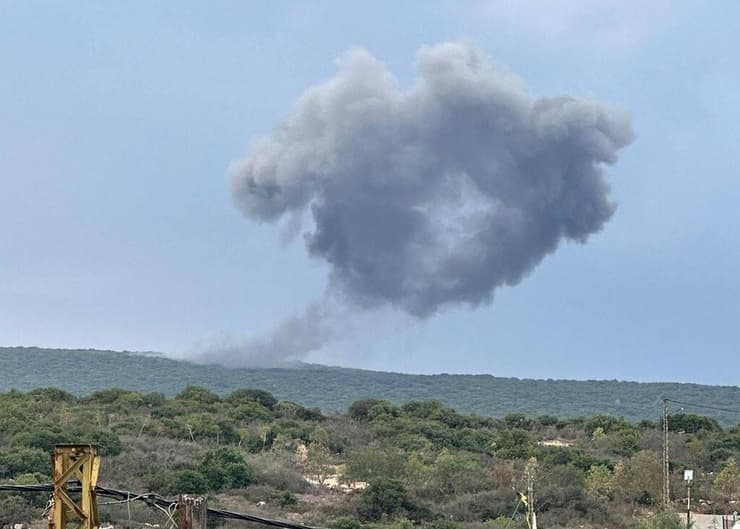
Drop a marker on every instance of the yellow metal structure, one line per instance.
(75, 463)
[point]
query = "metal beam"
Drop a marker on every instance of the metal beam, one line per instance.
(80, 462)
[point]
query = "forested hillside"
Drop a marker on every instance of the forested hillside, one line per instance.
(376, 466)
(330, 388)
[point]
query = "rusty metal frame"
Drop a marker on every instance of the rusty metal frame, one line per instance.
(75, 462)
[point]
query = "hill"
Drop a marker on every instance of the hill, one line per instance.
(333, 388)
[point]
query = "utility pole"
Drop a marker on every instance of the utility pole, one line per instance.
(192, 512)
(530, 471)
(688, 477)
(666, 470)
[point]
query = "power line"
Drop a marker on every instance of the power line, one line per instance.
(158, 501)
(706, 406)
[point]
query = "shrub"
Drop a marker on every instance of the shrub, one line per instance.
(15, 509)
(225, 468)
(197, 394)
(661, 520)
(52, 395)
(690, 423)
(514, 444)
(358, 410)
(188, 481)
(23, 460)
(244, 396)
(344, 523)
(385, 497)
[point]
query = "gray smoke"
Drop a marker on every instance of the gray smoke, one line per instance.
(434, 195)
(288, 342)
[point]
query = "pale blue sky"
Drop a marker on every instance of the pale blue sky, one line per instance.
(117, 230)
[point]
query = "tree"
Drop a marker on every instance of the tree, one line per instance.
(727, 480)
(199, 395)
(385, 497)
(513, 444)
(188, 481)
(225, 468)
(454, 473)
(600, 482)
(639, 479)
(690, 423)
(368, 464)
(318, 462)
(23, 461)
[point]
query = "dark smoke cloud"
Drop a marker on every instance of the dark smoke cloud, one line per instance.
(438, 194)
(426, 197)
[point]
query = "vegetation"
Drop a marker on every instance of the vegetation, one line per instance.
(334, 389)
(377, 466)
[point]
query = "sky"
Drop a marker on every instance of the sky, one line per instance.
(119, 121)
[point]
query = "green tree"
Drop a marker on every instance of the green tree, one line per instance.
(225, 468)
(514, 444)
(690, 423)
(600, 482)
(21, 460)
(727, 481)
(386, 497)
(639, 479)
(245, 396)
(188, 481)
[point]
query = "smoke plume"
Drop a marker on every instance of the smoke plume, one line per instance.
(288, 342)
(435, 195)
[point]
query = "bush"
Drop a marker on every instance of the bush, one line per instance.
(42, 439)
(662, 520)
(386, 497)
(225, 468)
(245, 396)
(605, 424)
(199, 395)
(344, 523)
(52, 395)
(108, 442)
(15, 509)
(359, 409)
(514, 444)
(22, 460)
(188, 482)
(690, 423)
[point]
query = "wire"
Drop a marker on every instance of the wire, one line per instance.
(158, 502)
(706, 406)
(511, 518)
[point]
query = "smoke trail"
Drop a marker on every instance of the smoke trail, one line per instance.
(435, 195)
(287, 343)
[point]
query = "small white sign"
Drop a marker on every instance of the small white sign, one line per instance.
(688, 475)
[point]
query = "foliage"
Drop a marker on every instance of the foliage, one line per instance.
(224, 468)
(14, 508)
(427, 465)
(386, 497)
(639, 479)
(689, 423)
(82, 371)
(727, 481)
(600, 482)
(661, 520)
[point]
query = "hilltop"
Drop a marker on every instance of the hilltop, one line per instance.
(333, 388)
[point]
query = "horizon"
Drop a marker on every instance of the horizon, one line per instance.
(299, 364)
